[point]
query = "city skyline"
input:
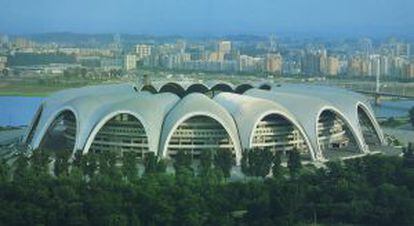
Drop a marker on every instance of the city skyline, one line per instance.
(209, 17)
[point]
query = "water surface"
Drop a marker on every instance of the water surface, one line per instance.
(18, 111)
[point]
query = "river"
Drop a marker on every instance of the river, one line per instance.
(18, 111)
(397, 108)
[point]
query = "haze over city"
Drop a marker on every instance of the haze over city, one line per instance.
(324, 17)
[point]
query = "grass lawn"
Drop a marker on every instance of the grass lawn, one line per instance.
(395, 122)
(30, 88)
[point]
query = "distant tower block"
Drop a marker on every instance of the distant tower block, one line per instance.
(377, 90)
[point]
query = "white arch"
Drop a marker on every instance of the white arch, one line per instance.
(346, 121)
(33, 125)
(265, 86)
(184, 118)
(175, 85)
(223, 89)
(291, 120)
(372, 120)
(108, 117)
(238, 89)
(51, 119)
(212, 84)
(151, 89)
(197, 85)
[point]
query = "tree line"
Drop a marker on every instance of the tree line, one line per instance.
(56, 188)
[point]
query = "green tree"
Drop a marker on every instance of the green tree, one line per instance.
(150, 163)
(245, 162)
(5, 72)
(186, 193)
(206, 161)
(61, 162)
(39, 162)
(380, 169)
(4, 171)
(294, 163)
(264, 162)
(161, 166)
(20, 166)
(83, 73)
(117, 220)
(130, 165)
(107, 164)
(77, 159)
(392, 206)
(182, 160)
(76, 215)
(257, 162)
(277, 167)
(411, 114)
(89, 164)
(224, 161)
(408, 155)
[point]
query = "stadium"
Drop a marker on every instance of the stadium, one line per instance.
(321, 123)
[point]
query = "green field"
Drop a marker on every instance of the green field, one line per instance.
(24, 90)
(43, 85)
(40, 88)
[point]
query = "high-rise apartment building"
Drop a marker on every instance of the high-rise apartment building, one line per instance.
(130, 62)
(274, 63)
(399, 67)
(180, 45)
(3, 62)
(385, 65)
(375, 65)
(224, 47)
(333, 66)
(215, 56)
(142, 51)
(366, 46)
(402, 50)
(314, 62)
(250, 64)
(355, 65)
(411, 70)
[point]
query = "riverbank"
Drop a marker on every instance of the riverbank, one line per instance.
(10, 136)
(31, 90)
(42, 87)
(17, 111)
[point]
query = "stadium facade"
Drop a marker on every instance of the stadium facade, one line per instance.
(320, 122)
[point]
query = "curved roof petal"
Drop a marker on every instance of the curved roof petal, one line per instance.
(345, 101)
(307, 109)
(247, 111)
(198, 105)
(150, 110)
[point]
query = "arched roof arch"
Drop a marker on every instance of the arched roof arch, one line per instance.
(198, 105)
(248, 111)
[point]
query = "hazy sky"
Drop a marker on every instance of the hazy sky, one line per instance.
(199, 17)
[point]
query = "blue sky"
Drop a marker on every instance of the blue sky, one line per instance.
(199, 17)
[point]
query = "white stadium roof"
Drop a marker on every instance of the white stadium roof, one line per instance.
(161, 113)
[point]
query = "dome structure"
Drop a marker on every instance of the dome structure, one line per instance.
(320, 122)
